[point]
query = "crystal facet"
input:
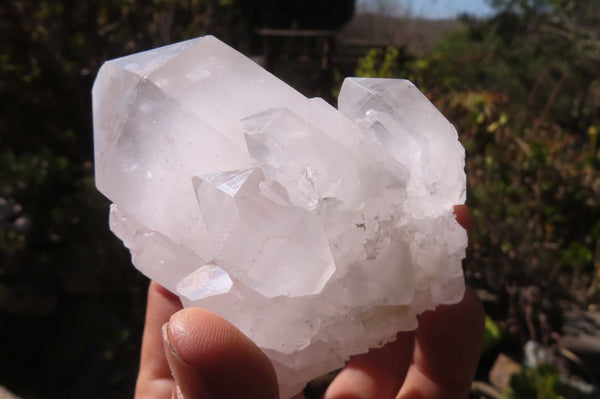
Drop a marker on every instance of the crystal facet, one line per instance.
(319, 233)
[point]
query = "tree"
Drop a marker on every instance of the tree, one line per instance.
(522, 87)
(67, 289)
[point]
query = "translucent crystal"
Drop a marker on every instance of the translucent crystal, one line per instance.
(319, 233)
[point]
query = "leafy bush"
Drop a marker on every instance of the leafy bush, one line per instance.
(522, 90)
(492, 334)
(542, 382)
(71, 305)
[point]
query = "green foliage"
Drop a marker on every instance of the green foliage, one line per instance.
(522, 90)
(292, 14)
(71, 305)
(492, 334)
(542, 382)
(377, 64)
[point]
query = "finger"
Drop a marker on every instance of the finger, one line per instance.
(210, 358)
(154, 378)
(376, 374)
(447, 348)
(463, 217)
(380, 373)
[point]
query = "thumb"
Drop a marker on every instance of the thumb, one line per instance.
(210, 358)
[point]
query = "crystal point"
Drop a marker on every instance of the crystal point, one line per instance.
(319, 233)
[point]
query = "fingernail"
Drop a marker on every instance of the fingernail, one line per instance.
(176, 394)
(165, 335)
(187, 379)
(171, 348)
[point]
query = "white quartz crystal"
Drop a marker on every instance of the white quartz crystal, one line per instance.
(319, 233)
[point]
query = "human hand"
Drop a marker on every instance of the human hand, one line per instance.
(195, 354)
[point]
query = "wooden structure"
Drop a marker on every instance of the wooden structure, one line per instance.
(325, 39)
(307, 59)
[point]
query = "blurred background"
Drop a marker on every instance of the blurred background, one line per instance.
(518, 78)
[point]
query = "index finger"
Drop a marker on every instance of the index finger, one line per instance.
(447, 348)
(463, 217)
(154, 378)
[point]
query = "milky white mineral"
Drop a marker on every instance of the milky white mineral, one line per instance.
(319, 233)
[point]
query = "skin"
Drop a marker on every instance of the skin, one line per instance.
(195, 354)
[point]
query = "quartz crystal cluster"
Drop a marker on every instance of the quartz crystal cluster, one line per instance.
(318, 232)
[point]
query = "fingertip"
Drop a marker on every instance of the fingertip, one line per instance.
(463, 217)
(474, 307)
(378, 373)
(208, 355)
(154, 377)
(461, 323)
(448, 346)
(198, 334)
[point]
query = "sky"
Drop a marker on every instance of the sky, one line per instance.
(434, 9)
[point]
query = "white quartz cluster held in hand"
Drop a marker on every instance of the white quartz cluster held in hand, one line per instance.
(319, 233)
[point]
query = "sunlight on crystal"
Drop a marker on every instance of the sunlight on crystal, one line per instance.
(323, 232)
(207, 281)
